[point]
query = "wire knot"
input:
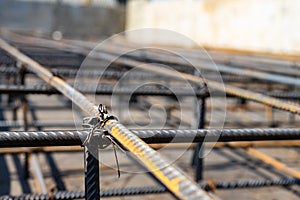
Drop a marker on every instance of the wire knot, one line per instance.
(95, 126)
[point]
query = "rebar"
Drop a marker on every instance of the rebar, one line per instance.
(73, 138)
(204, 64)
(20, 124)
(273, 162)
(264, 62)
(169, 175)
(92, 182)
(133, 144)
(105, 90)
(68, 195)
(198, 152)
(169, 58)
(116, 74)
(149, 90)
(157, 69)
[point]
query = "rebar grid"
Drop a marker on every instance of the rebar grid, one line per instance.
(176, 181)
(225, 135)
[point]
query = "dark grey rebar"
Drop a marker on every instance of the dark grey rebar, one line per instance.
(105, 90)
(198, 152)
(73, 138)
(92, 178)
(68, 195)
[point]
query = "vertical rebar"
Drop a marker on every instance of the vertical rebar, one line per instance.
(197, 161)
(24, 103)
(26, 165)
(24, 99)
(91, 170)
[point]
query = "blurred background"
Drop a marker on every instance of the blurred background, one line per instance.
(250, 48)
(249, 25)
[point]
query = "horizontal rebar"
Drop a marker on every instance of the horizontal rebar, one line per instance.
(106, 90)
(245, 60)
(157, 69)
(68, 195)
(257, 63)
(92, 73)
(109, 90)
(20, 124)
(198, 60)
(71, 138)
(205, 64)
(114, 74)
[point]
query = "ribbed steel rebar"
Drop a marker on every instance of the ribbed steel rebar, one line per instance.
(149, 90)
(208, 65)
(20, 124)
(224, 135)
(42, 138)
(92, 73)
(67, 195)
(273, 63)
(106, 90)
(157, 69)
(92, 184)
(71, 138)
(171, 176)
(265, 62)
(69, 72)
(198, 152)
